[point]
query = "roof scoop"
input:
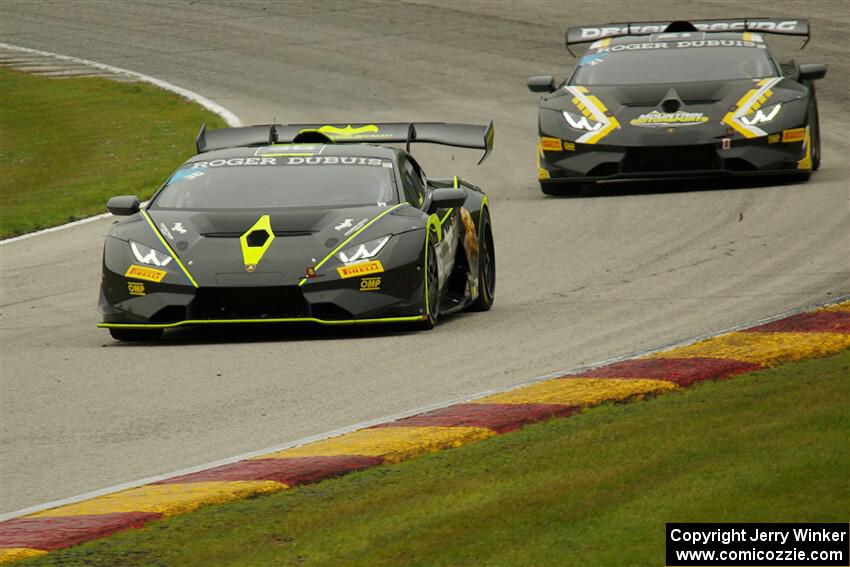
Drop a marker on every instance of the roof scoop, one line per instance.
(671, 101)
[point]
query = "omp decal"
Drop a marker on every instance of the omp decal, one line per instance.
(569, 146)
(255, 242)
(135, 288)
(370, 284)
(145, 273)
(168, 247)
(551, 144)
(750, 102)
(361, 269)
(806, 162)
(592, 107)
(349, 131)
(660, 119)
(774, 138)
(341, 245)
(794, 135)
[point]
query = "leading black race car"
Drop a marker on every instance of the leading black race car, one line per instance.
(653, 100)
(309, 223)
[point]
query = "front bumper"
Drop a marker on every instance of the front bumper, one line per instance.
(594, 162)
(395, 295)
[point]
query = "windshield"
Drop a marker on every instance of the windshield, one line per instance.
(264, 182)
(672, 65)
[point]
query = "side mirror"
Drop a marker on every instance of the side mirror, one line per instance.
(541, 84)
(123, 205)
(811, 71)
(446, 198)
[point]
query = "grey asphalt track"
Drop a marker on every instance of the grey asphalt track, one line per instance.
(580, 279)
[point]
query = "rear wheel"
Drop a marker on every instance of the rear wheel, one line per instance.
(135, 335)
(486, 267)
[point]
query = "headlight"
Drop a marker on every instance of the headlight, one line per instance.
(580, 122)
(362, 251)
(765, 114)
(150, 256)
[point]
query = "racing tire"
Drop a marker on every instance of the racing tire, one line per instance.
(814, 124)
(136, 335)
(486, 268)
(432, 288)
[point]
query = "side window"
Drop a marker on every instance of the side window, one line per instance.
(414, 186)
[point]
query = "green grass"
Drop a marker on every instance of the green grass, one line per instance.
(67, 145)
(594, 489)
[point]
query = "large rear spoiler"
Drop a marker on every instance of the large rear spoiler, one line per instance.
(448, 134)
(589, 34)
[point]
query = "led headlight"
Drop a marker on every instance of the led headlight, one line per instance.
(363, 251)
(761, 115)
(149, 256)
(580, 122)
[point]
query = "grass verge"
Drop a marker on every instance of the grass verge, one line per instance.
(67, 145)
(594, 489)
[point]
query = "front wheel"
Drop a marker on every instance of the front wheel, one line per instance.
(135, 335)
(486, 267)
(432, 287)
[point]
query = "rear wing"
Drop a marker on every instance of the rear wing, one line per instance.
(447, 134)
(589, 34)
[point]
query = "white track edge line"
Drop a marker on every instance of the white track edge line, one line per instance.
(230, 118)
(409, 413)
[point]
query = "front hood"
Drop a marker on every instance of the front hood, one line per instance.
(210, 245)
(681, 113)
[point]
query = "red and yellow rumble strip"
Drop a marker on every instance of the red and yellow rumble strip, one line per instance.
(816, 333)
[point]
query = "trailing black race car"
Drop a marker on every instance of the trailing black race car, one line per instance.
(655, 100)
(310, 223)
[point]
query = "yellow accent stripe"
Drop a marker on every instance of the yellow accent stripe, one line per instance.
(393, 444)
(767, 349)
(9, 554)
(350, 238)
(580, 391)
(167, 247)
(167, 499)
(409, 319)
(455, 182)
(445, 217)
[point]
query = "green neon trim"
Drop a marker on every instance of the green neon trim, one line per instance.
(432, 221)
(455, 182)
(167, 247)
(443, 220)
(349, 239)
(409, 319)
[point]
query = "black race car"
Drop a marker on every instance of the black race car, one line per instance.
(652, 100)
(301, 223)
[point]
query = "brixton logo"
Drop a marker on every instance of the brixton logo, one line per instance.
(255, 242)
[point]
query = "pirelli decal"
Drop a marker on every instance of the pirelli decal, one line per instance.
(360, 269)
(795, 135)
(750, 102)
(592, 108)
(143, 273)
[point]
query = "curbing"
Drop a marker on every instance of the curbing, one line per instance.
(818, 332)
